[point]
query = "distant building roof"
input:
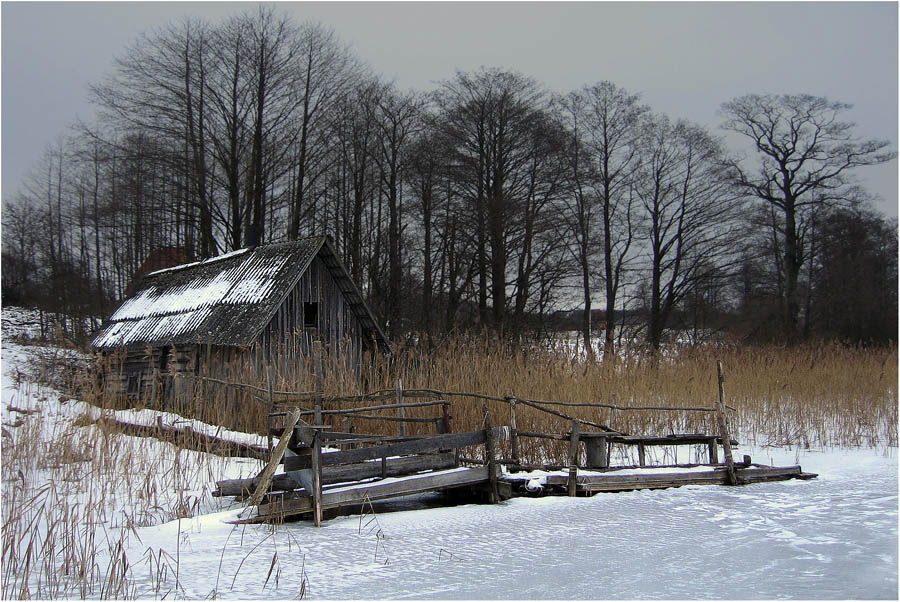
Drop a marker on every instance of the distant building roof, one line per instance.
(226, 300)
(158, 259)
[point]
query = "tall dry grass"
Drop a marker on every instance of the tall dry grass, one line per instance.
(75, 491)
(815, 395)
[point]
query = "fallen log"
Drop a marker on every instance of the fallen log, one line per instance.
(186, 438)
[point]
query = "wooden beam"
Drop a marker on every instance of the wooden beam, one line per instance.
(316, 467)
(357, 494)
(393, 467)
(401, 412)
(265, 477)
(723, 426)
(491, 451)
(574, 435)
(618, 482)
(572, 481)
(417, 446)
(514, 432)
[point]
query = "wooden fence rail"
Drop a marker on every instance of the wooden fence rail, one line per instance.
(419, 393)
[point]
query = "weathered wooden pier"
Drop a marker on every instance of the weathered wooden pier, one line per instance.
(325, 470)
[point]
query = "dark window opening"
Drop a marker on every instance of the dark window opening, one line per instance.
(132, 384)
(311, 315)
(163, 359)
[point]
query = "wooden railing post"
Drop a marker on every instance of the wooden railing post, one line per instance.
(723, 426)
(445, 416)
(320, 381)
(317, 477)
(347, 427)
(574, 436)
(494, 494)
(401, 412)
(514, 430)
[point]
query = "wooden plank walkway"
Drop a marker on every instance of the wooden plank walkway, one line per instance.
(611, 481)
(282, 506)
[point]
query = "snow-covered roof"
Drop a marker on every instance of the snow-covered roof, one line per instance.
(227, 300)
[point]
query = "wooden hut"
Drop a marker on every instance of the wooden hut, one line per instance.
(267, 303)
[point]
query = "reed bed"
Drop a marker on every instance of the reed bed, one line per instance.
(813, 396)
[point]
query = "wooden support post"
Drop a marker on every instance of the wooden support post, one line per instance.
(320, 381)
(317, 477)
(642, 457)
(713, 452)
(573, 481)
(401, 412)
(514, 431)
(612, 419)
(347, 427)
(574, 437)
(271, 405)
(494, 495)
(723, 426)
(445, 415)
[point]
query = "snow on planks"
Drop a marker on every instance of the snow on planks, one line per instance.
(656, 479)
(283, 506)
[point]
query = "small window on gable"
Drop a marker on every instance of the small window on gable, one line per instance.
(311, 315)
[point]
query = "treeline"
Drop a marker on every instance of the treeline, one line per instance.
(488, 203)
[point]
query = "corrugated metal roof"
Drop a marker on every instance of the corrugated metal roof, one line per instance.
(226, 300)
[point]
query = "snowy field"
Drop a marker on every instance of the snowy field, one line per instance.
(834, 537)
(831, 538)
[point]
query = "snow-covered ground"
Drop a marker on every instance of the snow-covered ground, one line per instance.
(834, 537)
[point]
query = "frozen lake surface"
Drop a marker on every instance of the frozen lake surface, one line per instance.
(834, 537)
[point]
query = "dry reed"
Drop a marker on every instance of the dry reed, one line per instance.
(817, 395)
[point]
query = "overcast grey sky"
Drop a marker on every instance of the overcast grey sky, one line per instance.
(685, 58)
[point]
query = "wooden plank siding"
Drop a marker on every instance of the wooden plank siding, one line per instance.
(336, 326)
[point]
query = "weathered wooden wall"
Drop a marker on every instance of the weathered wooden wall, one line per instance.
(336, 326)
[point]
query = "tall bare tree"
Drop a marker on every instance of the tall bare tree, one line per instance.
(691, 216)
(805, 155)
(611, 123)
(488, 120)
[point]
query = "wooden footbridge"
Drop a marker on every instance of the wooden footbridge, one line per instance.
(325, 470)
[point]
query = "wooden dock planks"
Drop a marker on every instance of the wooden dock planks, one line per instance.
(357, 494)
(629, 482)
(390, 467)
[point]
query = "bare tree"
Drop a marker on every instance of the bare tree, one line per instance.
(610, 123)
(398, 119)
(806, 154)
(690, 213)
(327, 72)
(488, 119)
